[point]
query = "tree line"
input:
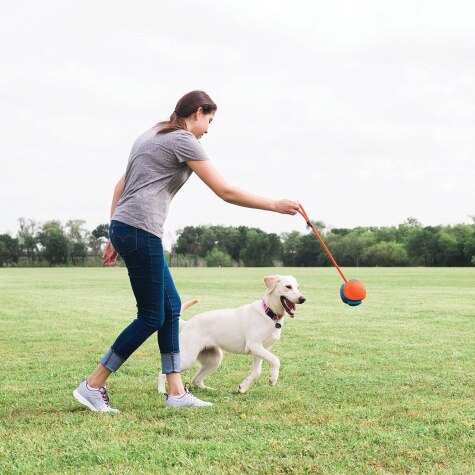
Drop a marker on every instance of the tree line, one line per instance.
(408, 244)
(53, 244)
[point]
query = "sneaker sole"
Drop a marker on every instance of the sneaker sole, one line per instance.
(185, 406)
(81, 399)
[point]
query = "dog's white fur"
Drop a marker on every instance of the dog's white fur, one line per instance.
(246, 330)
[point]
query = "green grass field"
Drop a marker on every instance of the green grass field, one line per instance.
(387, 387)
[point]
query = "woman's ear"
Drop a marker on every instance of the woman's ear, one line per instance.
(198, 113)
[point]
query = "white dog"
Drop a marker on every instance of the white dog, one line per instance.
(251, 329)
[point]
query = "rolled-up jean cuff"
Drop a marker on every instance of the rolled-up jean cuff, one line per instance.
(112, 361)
(170, 362)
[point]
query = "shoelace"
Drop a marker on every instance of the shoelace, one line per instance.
(187, 387)
(105, 396)
(188, 391)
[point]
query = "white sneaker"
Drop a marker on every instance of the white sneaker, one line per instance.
(96, 400)
(185, 400)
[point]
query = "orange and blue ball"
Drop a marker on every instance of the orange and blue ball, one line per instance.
(353, 292)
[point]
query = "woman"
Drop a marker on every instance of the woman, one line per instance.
(161, 161)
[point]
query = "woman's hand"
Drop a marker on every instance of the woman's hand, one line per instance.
(110, 255)
(287, 207)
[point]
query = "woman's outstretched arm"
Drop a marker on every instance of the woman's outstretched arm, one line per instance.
(208, 173)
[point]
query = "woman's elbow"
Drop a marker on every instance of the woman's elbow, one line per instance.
(226, 194)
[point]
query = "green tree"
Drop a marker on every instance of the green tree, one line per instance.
(28, 239)
(78, 237)
(412, 223)
(386, 234)
(189, 240)
(290, 242)
(101, 231)
(230, 239)
(450, 252)
(386, 254)
(260, 249)
(98, 238)
(424, 246)
(308, 252)
(464, 247)
(9, 250)
(218, 258)
(469, 246)
(55, 243)
(350, 249)
(208, 241)
(304, 249)
(200, 240)
(405, 228)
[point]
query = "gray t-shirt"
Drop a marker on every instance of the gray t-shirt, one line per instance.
(156, 170)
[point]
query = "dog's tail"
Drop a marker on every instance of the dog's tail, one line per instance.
(185, 306)
(188, 304)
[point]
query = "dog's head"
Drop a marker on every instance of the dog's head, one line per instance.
(283, 293)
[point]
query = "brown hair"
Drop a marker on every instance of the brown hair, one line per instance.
(185, 107)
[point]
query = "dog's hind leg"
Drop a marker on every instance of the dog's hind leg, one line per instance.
(162, 379)
(209, 359)
(255, 373)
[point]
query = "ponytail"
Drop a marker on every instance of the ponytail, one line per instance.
(185, 107)
(175, 123)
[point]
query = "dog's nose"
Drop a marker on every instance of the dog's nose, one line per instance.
(302, 299)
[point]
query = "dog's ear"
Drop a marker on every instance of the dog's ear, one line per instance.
(270, 282)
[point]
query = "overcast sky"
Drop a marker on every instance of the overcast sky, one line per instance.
(362, 110)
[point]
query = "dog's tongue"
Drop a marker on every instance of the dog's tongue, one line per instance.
(288, 306)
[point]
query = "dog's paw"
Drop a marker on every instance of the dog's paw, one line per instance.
(242, 389)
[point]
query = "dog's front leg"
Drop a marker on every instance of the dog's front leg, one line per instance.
(256, 372)
(266, 355)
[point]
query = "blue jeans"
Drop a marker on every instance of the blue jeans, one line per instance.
(158, 302)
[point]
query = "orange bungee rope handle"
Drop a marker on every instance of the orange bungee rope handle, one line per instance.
(314, 230)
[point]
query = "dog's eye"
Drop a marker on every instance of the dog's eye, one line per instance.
(288, 286)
